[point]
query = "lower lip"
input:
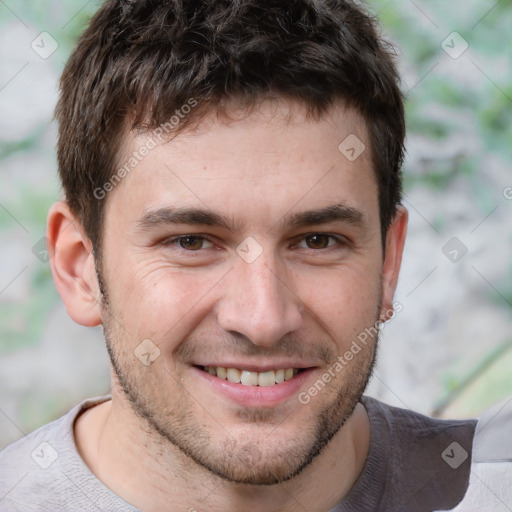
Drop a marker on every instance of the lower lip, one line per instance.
(256, 396)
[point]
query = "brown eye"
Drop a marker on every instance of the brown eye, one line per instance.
(191, 243)
(318, 241)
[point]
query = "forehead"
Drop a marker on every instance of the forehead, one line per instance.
(257, 164)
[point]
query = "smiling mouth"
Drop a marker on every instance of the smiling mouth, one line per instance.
(248, 378)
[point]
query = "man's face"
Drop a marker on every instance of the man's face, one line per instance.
(276, 288)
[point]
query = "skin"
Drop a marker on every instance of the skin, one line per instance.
(168, 440)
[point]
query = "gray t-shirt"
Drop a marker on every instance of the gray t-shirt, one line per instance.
(415, 464)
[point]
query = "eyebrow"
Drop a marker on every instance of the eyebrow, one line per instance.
(204, 217)
(332, 213)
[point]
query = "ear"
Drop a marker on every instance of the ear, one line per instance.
(72, 264)
(395, 241)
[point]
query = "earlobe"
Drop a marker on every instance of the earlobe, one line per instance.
(395, 241)
(72, 264)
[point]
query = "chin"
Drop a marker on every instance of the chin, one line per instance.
(241, 468)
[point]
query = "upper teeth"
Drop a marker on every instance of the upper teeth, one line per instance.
(252, 378)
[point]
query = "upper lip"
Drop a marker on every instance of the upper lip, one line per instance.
(257, 367)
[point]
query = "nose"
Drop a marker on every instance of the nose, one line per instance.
(259, 303)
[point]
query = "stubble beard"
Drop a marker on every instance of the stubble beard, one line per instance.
(242, 461)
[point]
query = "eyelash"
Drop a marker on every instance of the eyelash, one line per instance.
(340, 241)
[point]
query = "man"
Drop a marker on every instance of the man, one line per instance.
(232, 218)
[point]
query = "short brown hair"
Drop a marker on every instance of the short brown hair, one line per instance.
(140, 60)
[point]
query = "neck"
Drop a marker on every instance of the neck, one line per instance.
(150, 473)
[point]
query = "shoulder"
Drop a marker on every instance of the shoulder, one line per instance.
(29, 466)
(428, 459)
(35, 449)
(431, 440)
(39, 448)
(37, 471)
(413, 424)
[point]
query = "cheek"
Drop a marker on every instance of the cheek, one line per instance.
(163, 303)
(344, 300)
